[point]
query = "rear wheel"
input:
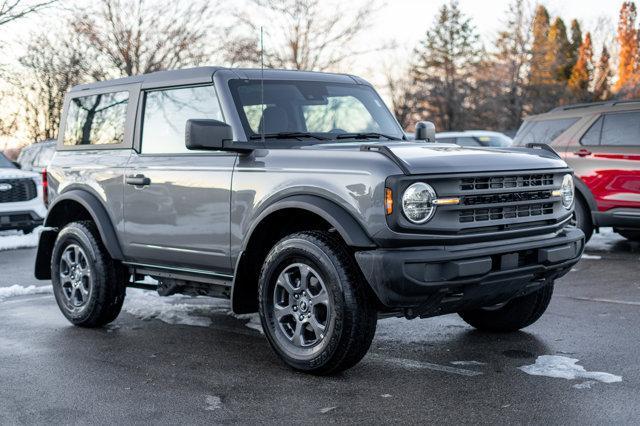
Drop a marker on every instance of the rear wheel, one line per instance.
(512, 316)
(314, 305)
(88, 285)
(582, 215)
(629, 234)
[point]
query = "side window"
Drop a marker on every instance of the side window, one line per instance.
(545, 131)
(467, 141)
(445, 140)
(97, 119)
(622, 129)
(166, 113)
(592, 137)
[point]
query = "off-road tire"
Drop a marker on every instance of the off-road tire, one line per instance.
(355, 314)
(108, 277)
(516, 314)
(582, 216)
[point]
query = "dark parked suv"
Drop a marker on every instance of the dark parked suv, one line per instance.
(601, 142)
(296, 194)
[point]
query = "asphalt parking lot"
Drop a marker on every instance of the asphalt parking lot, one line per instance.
(188, 361)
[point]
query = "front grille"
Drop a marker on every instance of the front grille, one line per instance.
(509, 197)
(506, 212)
(15, 190)
(500, 182)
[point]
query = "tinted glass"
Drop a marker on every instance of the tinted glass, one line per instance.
(446, 140)
(314, 107)
(97, 119)
(495, 141)
(621, 129)
(592, 137)
(5, 163)
(467, 141)
(166, 113)
(543, 131)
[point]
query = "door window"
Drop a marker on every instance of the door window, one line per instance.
(621, 129)
(166, 113)
(467, 141)
(592, 137)
(97, 119)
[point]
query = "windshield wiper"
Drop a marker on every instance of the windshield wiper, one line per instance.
(368, 135)
(289, 135)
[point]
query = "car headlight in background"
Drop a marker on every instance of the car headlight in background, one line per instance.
(567, 191)
(418, 202)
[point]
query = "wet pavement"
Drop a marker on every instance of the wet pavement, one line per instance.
(182, 360)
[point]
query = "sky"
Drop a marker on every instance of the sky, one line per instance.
(403, 22)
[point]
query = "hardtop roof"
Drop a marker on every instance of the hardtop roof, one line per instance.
(200, 73)
(580, 110)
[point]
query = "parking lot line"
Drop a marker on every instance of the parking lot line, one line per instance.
(411, 364)
(596, 299)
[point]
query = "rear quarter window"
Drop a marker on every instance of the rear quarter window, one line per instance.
(97, 119)
(621, 129)
(544, 131)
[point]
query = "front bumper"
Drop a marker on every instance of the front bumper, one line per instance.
(20, 220)
(439, 279)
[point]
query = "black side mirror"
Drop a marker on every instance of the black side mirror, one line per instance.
(425, 131)
(207, 134)
(18, 165)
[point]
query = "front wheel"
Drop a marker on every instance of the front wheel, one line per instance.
(314, 305)
(515, 314)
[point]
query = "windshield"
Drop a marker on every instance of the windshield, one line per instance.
(5, 163)
(543, 131)
(312, 110)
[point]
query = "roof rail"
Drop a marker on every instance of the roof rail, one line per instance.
(592, 104)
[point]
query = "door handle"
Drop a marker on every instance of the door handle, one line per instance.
(138, 180)
(582, 152)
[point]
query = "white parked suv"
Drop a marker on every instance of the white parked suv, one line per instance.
(21, 202)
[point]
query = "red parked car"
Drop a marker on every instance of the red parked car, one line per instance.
(601, 142)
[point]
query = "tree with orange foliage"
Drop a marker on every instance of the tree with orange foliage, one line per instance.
(583, 69)
(602, 85)
(628, 68)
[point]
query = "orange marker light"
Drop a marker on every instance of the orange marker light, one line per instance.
(388, 201)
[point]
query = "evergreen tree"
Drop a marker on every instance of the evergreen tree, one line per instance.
(540, 70)
(582, 71)
(628, 41)
(445, 67)
(559, 52)
(602, 88)
(576, 41)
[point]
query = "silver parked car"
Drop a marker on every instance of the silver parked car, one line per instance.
(296, 195)
(472, 138)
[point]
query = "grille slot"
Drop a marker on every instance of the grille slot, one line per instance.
(505, 212)
(21, 190)
(509, 197)
(503, 182)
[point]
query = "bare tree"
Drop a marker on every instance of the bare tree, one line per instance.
(136, 37)
(301, 34)
(10, 10)
(52, 64)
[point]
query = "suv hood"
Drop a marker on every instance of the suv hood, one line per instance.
(429, 158)
(10, 173)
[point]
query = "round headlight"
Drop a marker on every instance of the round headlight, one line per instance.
(567, 191)
(417, 202)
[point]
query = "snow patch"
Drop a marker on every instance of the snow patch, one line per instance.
(11, 240)
(591, 256)
(213, 402)
(254, 322)
(327, 409)
(562, 367)
(148, 305)
(18, 290)
(605, 240)
(584, 385)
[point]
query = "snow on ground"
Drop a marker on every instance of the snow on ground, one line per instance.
(10, 240)
(591, 256)
(605, 240)
(179, 309)
(18, 290)
(566, 368)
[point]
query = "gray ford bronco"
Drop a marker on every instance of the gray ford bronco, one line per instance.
(298, 196)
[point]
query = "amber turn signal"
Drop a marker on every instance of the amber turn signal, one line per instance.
(388, 201)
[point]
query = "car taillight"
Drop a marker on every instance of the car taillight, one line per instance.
(45, 187)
